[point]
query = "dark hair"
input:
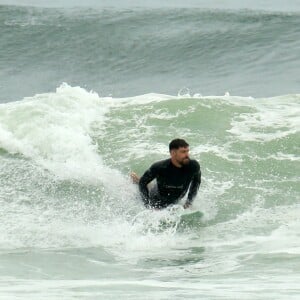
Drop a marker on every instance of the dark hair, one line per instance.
(177, 143)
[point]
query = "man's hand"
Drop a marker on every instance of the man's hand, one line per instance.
(187, 205)
(134, 177)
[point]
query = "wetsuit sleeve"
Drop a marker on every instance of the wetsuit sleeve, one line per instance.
(195, 184)
(148, 176)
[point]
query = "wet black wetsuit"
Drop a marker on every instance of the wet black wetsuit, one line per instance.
(172, 183)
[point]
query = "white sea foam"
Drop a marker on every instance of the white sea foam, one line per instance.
(259, 230)
(273, 118)
(55, 130)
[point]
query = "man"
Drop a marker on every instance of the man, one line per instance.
(174, 177)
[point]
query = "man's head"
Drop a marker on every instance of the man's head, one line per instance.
(179, 151)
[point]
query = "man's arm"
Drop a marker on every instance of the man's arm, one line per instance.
(148, 176)
(194, 187)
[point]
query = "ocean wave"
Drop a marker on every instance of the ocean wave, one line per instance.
(208, 51)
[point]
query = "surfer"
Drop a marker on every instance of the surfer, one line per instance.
(174, 177)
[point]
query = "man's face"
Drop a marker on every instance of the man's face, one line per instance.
(181, 155)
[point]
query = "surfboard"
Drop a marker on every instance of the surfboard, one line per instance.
(161, 220)
(191, 218)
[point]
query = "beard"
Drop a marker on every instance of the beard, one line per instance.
(185, 161)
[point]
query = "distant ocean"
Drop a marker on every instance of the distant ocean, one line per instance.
(90, 92)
